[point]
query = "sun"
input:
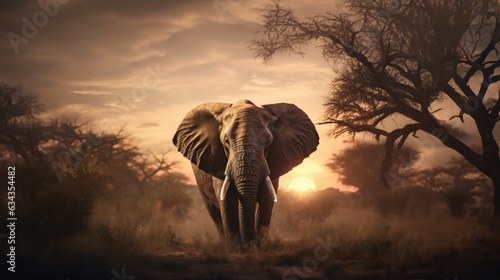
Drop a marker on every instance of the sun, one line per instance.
(302, 184)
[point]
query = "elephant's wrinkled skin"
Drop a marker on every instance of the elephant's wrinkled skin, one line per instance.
(238, 152)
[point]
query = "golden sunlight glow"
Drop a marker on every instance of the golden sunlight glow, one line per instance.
(308, 167)
(302, 184)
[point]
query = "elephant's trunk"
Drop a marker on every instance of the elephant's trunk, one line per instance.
(246, 210)
(248, 172)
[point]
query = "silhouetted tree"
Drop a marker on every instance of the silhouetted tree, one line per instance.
(460, 185)
(359, 166)
(63, 167)
(401, 58)
(20, 130)
(48, 208)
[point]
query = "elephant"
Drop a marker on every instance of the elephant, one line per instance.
(238, 152)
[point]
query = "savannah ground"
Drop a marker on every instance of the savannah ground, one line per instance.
(132, 238)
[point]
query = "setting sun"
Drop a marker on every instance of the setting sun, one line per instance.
(302, 184)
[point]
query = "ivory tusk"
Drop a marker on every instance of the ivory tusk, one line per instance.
(225, 187)
(270, 188)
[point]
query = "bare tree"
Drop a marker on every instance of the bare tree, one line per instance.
(402, 59)
(68, 144)
(151, 166)
(20, 130)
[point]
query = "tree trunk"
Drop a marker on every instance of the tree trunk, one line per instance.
(496, 195)
(494, 160)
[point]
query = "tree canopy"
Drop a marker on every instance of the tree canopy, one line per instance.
(403, 59)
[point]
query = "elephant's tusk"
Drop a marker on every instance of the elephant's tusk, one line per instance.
(270, 188)
(225, 187)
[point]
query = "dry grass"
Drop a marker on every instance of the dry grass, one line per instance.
(141, 228)
(363, 233)
(156, 242)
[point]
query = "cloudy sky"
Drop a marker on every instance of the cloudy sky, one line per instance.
(146, 64)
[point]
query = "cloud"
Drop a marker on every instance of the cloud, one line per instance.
(92, 57)
(98, 44)
(148, 125)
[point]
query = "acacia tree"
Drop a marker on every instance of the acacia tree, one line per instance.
(458, 184)
(357, 166)
(63, 167)
(20, 130)
(401, 59)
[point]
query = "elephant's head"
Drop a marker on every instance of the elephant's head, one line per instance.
(246, 146)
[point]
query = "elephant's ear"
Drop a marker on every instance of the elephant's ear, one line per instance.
(295, 138)
(197, 138)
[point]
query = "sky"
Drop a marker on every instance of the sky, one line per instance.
(146, 64)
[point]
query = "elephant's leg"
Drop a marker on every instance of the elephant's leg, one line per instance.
(229, 212)
(214, 212)
(265, 205)
(206, 187)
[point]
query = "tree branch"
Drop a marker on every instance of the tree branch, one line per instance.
(351, 128)
(389, 146)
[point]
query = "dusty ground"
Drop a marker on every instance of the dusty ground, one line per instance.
(358, 249)
(475, 263)
(481, 262)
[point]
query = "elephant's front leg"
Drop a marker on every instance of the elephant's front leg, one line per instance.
(210, 199)
(264, 211)
(229, 212)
